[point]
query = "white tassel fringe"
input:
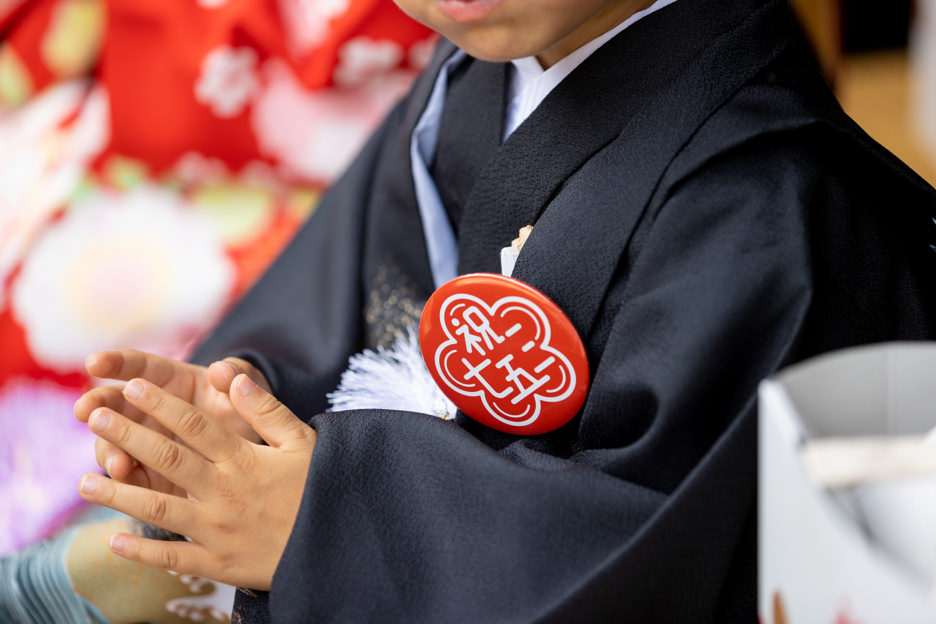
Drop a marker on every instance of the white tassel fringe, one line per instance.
(395, 378)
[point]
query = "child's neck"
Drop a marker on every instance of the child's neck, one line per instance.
(604, 20)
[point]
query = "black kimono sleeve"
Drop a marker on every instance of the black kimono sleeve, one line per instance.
(301, 321)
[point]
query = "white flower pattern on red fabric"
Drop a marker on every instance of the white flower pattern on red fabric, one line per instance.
(306, 21)
(135, 270)
(42, 161)
(362, 59)
(194, 168)
(172, 277)
(314, 135)
(228, 80)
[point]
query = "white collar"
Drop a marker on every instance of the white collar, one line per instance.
(530, 83)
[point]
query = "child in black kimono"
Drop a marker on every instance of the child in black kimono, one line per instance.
(704, 214)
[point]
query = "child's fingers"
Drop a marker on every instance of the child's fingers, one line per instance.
(188, 423)
(169, 512)
(272, 420)
(104, 396)
(114, 461)
(177, 463)
(125, 364)
(87, 403)
(121, 467)
(111, 458)
(177, 556)
(222, 373)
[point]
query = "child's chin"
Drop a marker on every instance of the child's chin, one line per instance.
(493, 47)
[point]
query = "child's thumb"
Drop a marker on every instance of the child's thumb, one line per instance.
(272, 420)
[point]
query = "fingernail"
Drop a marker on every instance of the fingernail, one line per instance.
(228, 365)
(99, 420)
(133, 389)
(107, 465)
(91, 360)
(117, 543)
(88, 485)
(245, 386)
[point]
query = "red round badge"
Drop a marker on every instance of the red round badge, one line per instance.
(504, 353)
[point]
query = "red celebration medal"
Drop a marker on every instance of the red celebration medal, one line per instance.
(504, 353)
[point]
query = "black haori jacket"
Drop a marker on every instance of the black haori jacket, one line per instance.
(705, 214)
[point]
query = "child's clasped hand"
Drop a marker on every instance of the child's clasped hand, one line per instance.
(236, 501)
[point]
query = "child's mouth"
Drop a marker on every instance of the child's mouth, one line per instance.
(465, 11)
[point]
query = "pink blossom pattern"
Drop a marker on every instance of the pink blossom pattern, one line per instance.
(136, 270)
(363, 59)
(294, 125)
(421, 52)
(306, 21)
(41, 460)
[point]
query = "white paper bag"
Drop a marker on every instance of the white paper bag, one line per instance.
(863, 553)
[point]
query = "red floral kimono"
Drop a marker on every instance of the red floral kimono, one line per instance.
(154, 157)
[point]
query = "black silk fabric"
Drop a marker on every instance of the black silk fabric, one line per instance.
(705, 214)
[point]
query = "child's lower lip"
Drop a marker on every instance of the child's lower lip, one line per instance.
(464, 11)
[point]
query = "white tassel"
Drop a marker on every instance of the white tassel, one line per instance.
(395, 378)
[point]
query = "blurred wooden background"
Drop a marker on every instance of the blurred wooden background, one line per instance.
(862, 47)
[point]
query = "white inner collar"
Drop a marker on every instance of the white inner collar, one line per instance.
(530, 83)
